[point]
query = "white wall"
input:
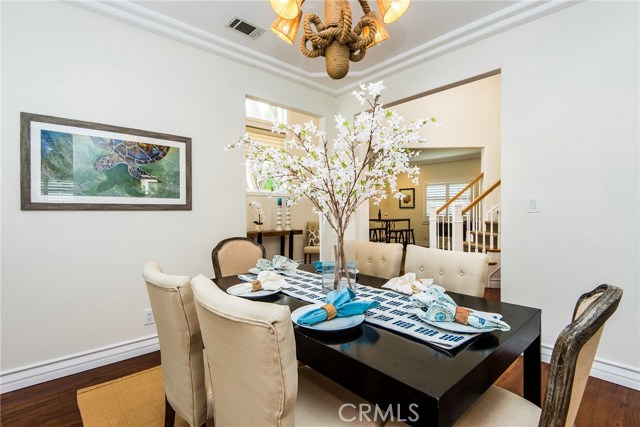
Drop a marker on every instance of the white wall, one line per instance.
(71, 281)
(569, 135)
(470, 117)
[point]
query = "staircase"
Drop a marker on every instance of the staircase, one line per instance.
(474, 228)
(485, 241)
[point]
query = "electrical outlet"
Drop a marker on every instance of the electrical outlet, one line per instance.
(148, 317)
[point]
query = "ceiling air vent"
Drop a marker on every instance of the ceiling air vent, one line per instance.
(245, 27)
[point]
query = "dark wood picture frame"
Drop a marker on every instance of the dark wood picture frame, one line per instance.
(70, 164)
(408, 200)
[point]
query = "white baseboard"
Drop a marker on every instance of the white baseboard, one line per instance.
(35, 374)
(605, 370)
(50, 370)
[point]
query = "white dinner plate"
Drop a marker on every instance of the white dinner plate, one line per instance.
(257, 294)
(335, 324)
(459, 327)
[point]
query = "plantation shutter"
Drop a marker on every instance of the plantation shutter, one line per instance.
(439, 194)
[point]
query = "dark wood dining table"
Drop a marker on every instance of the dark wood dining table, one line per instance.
(424, 385)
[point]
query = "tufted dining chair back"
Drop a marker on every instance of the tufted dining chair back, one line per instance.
(236, 255)
(181, 354)
(456, 271)
(255, 376)
(378, 259)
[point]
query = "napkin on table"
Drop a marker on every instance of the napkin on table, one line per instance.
(342, 302)
(408, 284)
(279, 263)
(269, 281)
(435, 305)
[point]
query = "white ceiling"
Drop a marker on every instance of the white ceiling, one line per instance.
(428, 28)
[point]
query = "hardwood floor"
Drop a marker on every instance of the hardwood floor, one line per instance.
(54, 403)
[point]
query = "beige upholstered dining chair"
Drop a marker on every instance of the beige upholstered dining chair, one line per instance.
(378, 259)
(235, 255)
(456, 271)
(181, 349)
(571, 362)
(313, 240)
(252, 358)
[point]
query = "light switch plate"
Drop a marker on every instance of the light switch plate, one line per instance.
(533, 204)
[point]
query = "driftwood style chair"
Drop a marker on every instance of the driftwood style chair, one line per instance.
(181, 354)
(571, 362)
(236, 255)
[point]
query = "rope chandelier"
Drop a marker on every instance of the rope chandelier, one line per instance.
(336, 38)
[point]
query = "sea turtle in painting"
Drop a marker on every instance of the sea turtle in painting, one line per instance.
(131, 154)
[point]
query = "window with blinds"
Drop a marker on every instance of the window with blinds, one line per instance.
(260, 117)
(439, 194)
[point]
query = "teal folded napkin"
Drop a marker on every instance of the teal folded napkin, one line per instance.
(343, 302)
(434, 305)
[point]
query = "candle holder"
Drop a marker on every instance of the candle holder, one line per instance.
(287, 221)
(279, 219)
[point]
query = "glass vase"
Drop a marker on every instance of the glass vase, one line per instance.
(338, 264)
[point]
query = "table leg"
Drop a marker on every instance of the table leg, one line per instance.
(282, 245)
(259, 238)
(291, 245)
(532, 372)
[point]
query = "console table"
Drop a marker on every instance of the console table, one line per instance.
(259, 235)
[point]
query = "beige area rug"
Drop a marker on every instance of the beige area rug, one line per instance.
(133, 401)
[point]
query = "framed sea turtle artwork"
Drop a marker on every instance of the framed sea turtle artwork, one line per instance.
(76, 165)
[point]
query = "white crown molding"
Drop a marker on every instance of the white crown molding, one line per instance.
(57, 368)
(141, 17)
(510, 17)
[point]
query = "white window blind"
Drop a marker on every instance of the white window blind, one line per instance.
(260, 117)
(439, 194)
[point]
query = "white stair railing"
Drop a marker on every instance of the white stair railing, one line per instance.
(484, 219)
(452, 223)
(447, 223)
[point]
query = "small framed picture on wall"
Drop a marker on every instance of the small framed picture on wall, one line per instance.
(408, 199)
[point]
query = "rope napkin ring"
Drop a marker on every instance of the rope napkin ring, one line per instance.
(331, 311)
(415, 289)
(256, 285)
(462, 315)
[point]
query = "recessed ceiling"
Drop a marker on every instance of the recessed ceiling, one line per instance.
(427, 29)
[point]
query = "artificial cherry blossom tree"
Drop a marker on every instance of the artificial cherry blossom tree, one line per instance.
(362, 163)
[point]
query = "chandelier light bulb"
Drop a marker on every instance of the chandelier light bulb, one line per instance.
(287, 29)
(390, 10)
(287, 9)
(381, 31)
